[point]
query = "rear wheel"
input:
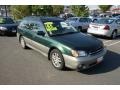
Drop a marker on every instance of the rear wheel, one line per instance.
(114, 35)
(57, 59)
(22, 42)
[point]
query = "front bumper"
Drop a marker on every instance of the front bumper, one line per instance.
(84, 62)
(6, 32)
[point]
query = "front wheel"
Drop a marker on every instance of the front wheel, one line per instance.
(57, 59)
(2, 33)
(22, 42)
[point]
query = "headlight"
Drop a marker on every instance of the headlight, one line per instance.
(3, 28)
(79, 53)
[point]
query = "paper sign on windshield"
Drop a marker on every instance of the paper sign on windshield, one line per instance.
(49, 26)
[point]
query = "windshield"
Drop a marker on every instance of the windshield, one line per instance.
(6, 21)
(104, 21)
(58, 28)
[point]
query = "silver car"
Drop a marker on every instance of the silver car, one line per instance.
(80, 23)
(109, 27)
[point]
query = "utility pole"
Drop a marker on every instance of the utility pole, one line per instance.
(6, 14)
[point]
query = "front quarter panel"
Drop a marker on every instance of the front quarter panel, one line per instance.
(63, 48)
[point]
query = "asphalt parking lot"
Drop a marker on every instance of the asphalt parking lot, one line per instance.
(19, 66)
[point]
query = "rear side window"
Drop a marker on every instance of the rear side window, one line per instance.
(31, 25)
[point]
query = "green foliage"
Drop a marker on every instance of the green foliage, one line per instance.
(80, 10)
(43, 10)
(57, 9)
(20, 11)
(105, 8)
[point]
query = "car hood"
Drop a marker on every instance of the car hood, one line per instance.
(9, 26)
(80, 41)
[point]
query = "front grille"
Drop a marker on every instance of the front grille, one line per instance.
(92, 64)
(97, 51)
(12, 28)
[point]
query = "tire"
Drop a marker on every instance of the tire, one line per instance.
(114, 35)
(22, 42)
(2, 33)
(57, 59)
(79, 28)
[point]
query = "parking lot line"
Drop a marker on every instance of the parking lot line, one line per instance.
(107, 41)
(113, 44)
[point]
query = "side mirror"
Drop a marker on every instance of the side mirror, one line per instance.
(41, 33)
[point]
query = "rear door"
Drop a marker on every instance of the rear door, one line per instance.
(25, 30)
(118, 25)
(38, 41)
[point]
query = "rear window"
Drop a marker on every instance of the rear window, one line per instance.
(6, 21)
(105, 21)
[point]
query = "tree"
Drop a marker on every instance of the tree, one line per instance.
(20, 11)
(80, 10)
(57, 9)
(105, 8)
(43, 10)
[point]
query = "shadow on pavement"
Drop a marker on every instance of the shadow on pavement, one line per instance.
(110, 63)
(106, 38)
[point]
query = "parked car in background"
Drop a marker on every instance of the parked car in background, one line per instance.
(109, 27)
(93, 17)
(80, 23)
(115, 15)
(60, 42)
(66, 15)
(7, 26)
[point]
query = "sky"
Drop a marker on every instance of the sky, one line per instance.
(91, 7)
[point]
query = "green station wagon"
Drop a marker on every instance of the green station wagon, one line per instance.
(60, 42)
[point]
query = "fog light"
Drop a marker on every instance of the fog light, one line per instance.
(84, 67)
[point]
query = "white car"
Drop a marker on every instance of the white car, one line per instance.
(80, 23)
(109, 27)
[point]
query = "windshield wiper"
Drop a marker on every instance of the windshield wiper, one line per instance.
(70, 32)
(64, 33)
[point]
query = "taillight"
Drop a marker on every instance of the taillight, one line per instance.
(106, 27)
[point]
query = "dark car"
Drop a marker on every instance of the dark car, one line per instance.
(7, 26)
(60, 42)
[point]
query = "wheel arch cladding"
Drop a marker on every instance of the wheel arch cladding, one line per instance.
(54, 47)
